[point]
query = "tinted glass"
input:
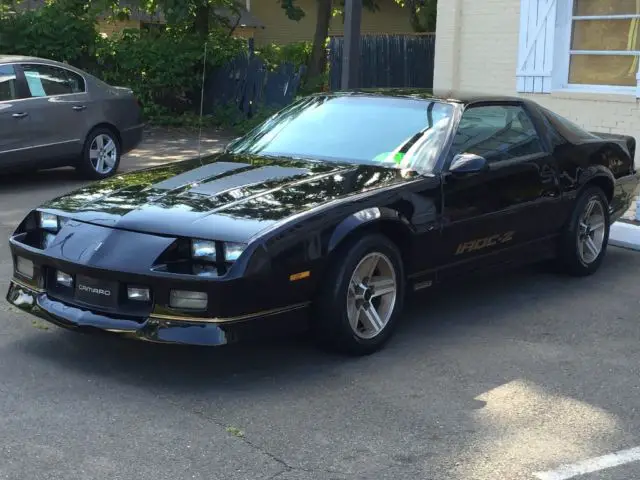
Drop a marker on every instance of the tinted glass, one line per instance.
(45, 81)
(497, 133)
(8, 83)
(569, 126)
(398, 132)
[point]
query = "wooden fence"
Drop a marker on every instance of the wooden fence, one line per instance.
(388, 61)
(247, 83)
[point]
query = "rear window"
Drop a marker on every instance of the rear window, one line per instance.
(567, 126)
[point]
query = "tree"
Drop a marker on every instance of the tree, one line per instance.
(325, 10)
(422, 14)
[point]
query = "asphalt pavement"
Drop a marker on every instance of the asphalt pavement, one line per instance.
(495, 378)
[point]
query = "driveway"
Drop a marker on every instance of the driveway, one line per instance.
(498, 378)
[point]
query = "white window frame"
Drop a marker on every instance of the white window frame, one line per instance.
(563, 52)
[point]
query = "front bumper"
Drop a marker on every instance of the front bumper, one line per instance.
(156, 327)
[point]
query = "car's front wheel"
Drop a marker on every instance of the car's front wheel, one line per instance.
(584, 240)
(362, 296)
(100, 155)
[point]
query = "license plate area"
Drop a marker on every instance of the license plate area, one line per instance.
(96, 292)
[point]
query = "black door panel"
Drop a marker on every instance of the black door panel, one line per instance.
(512, 203)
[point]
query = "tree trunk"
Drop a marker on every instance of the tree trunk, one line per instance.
(201, 22)
(318, 53)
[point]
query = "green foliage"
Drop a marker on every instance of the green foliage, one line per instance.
(165, 71)
(296, 53)
(422, 14)
(291, 10)
(51, 32)
(230, 117)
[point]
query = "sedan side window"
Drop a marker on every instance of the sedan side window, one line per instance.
(497, 132)
(8, 83)
(46, 80)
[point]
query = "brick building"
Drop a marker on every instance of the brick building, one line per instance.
(577, 57)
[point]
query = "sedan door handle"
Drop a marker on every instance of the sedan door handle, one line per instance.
(77, 108)
(20, 115)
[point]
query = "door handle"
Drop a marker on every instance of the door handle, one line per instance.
(20, 115)
(77, 108)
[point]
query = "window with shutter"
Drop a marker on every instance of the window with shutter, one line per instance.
(536, 45)
(579, 45)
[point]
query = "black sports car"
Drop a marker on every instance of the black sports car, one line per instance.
(322, 218)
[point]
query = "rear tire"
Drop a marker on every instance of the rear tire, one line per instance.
(100, 154)
(583, 244)
(362, 297)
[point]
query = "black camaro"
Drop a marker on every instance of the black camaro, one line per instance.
(322, 218)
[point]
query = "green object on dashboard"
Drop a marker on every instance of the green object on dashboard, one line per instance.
(385, 156)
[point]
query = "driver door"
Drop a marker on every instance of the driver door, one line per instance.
(510, 203)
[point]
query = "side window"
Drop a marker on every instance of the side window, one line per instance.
(497, 132)
(45, 81)
(8, 83)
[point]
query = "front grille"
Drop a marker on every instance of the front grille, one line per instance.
(92, 297)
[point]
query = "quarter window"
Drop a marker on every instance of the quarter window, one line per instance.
(46, 81)
(497, 132)
(8, 83)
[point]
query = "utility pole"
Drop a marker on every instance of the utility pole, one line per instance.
(351, 46)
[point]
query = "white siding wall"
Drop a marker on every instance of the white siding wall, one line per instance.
(476, 52)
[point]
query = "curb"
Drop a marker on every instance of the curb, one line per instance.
(625, 235)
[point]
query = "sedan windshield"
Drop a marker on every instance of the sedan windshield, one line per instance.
(360, 129)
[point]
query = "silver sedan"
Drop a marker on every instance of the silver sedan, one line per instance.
(52, 115)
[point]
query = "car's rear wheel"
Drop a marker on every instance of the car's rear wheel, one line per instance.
(362, 296)
(100, 155)
(584, 240)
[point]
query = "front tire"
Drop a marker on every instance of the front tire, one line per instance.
(362, 297)
(584, 240)
(100, 155)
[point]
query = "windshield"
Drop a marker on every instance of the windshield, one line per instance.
(359, 129)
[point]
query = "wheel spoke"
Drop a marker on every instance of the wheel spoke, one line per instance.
(99, 142)
(100, 165)
(589, 209)
(368, 267)
(110, 146)
(382, 286)
(109, 161)
(353, 314)
(372, 319)
(597, 226)
(591, 246)
(93, 154)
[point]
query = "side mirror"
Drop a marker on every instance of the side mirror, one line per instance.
(466, 163)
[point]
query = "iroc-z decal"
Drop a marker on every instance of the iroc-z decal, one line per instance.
(481, 243)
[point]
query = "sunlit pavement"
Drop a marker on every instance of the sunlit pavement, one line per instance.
(486, 379)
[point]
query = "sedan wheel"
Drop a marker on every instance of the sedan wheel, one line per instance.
(361, 297)
(101, 155)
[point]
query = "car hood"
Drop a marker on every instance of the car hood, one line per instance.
(224, 196)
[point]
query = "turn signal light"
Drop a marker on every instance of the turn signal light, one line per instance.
(186, 300)
(138, 294)
(24, 267)
(64, 279)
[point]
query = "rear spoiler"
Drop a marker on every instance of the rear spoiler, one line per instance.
(627, 141)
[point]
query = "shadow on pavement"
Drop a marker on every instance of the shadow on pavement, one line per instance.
(448, 312)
